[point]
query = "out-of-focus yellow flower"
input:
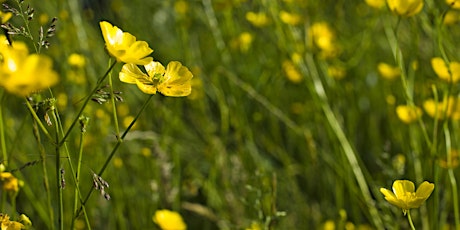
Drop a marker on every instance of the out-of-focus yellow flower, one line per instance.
(451, 17)
(4, 17)
(329, 225)
(405, 8)
(243, 42)
(173, 81)
(390, 99)
(124, 46)
(447, 108)
(23, 219)
(377, 4)
(454, 3)
(404, 195)
(254, 226)
(388, 71)
(257, 19)
(322, 36)
(290, 18)
(9, 182)
(7, 224)
(408, 114)
(337, 72)
(169, 220)
(452, 161)
(440, 68)
(23, 74)
(291, 72)
(181, 7)
(76, 60)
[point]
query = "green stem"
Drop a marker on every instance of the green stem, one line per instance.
(38, 121)
(2, 133)
(410, 220)
(114, 108)
(58, 176)
(88, 98)
(452, 179)
(114, 150)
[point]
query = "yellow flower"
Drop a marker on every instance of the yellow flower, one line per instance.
(124, 47)
(7, 224)
(454, 3)
(4, 17)
(440, 68)
(451, 161)
(451, 17)
(23, 74)
(76, 60)
(169, 220)
(290, 18)
(173, 81)
(377, 4)
(408, 114)
(254, 226)
(405, 8)
(404, 195)
(257, 19)
(291, 72)
(336, 71)
(322, 36)
(387, 71)
(9, 182)
(447, 108)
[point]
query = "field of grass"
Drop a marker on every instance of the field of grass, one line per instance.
(300, 112)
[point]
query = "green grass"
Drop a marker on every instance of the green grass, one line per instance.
(248, 145)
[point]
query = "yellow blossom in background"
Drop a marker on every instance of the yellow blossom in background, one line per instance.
(337, 72)
(169, 220)
(198, 92)
(124, 47)
(388, 71)
(174, 81)
(290, 18)
(9, 182)
(454, 4)
(76, 60)
(451, 161)
(291, 72)
(257, 19)
(451, 17)
(181, 7)
(4, 17)
(23, 74)
(254, 226)
(405, 8)
(404, 195)
(329, 225)
(408, 114)
(447, 108)
(244, 41)
(323, 37)
(7, 224)
(377, 4)
(448, 74)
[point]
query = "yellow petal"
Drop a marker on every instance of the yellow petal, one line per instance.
(177, 80)
(154, 68)
(146, 88)
(401, 187)
(390, 197)
(424, 190)
(130, 73)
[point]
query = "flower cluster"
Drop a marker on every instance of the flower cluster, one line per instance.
(174, 80)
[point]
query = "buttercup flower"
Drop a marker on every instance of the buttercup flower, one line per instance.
(124, 47)
(290, 18)
(23, 74)
(378, 4)
(405, 8)
(7, 224)
(447, 108)
(440, 68)
(4, 17)
(9, 182)
(174, 81)
(169, 220)
(404, 195)
(291, 72)
(408, 114)
(257, 19)
(322, 36)
(454, 3)
(387, 71)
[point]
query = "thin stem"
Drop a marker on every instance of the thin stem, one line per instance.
(2, 133)
(38, 121)
(26, 24)
(452, 179)
(114, 108)
(88, 98)
(410, 220)
(59, 177)
(114, 150)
